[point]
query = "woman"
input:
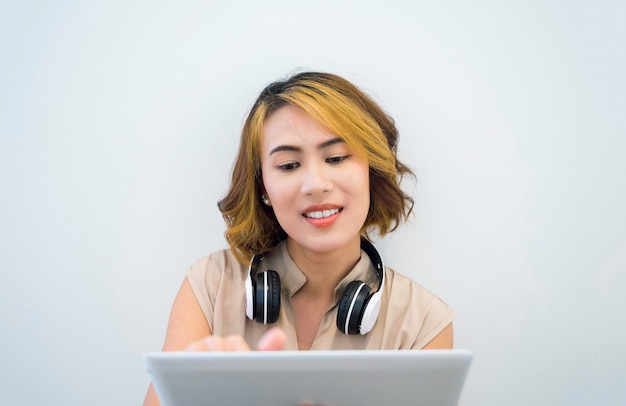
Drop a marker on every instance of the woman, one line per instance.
(317, 171)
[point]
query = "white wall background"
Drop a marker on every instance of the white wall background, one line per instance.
(119, 121)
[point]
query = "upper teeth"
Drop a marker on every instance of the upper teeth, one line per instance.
(321, 214)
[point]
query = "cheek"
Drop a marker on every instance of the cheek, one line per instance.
(364, 175)
(276, 189)
(365, 189)
(357, 184)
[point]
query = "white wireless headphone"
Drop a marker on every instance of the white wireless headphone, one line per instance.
(357, 311)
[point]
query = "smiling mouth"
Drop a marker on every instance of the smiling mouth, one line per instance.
(321, 214)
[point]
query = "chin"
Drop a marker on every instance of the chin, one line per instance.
(325, 243)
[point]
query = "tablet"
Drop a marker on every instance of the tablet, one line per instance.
(290, 378)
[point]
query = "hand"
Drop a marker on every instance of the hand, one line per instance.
(273, 340)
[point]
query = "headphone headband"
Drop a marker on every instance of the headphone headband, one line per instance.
(376, 260)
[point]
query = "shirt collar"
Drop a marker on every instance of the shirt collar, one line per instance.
(292, 279)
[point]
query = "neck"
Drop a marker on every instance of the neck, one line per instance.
(324, 269)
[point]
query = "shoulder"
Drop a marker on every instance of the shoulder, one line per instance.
(214, 280)
(401, 287)
(411, 304)
(218, 265)
(398, 281)
(223, 258)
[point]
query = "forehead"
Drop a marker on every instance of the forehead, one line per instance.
(293, 126)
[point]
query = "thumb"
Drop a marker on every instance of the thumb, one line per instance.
(273, 340)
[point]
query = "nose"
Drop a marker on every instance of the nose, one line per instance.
(316, 179)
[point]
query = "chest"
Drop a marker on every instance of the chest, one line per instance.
(308, 318)
(308, 327)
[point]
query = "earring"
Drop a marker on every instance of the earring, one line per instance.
(266, 200)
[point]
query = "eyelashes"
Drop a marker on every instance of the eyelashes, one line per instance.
(333, 160)
(288, 167)
(337, 159)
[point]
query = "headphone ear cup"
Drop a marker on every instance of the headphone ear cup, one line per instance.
(351, 306)
(267, 297)
(273, 296)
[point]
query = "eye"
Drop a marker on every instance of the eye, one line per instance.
(289, 166)
(334, 160)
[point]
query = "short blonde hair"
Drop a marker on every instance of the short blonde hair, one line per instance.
(343, 110)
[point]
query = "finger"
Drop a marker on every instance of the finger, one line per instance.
(235, 343)
(200, 345)
(274, 340)
(216, 343)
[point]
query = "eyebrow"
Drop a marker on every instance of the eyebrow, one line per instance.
(323, 145)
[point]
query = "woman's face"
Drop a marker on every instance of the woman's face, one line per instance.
(318, 189)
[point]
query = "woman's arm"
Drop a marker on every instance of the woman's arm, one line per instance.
(188, 330)
(186, 325)
(443, 340)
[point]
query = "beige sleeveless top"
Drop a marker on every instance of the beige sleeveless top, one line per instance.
(410, 315)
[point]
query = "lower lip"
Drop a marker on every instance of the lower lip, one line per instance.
(323, 222)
